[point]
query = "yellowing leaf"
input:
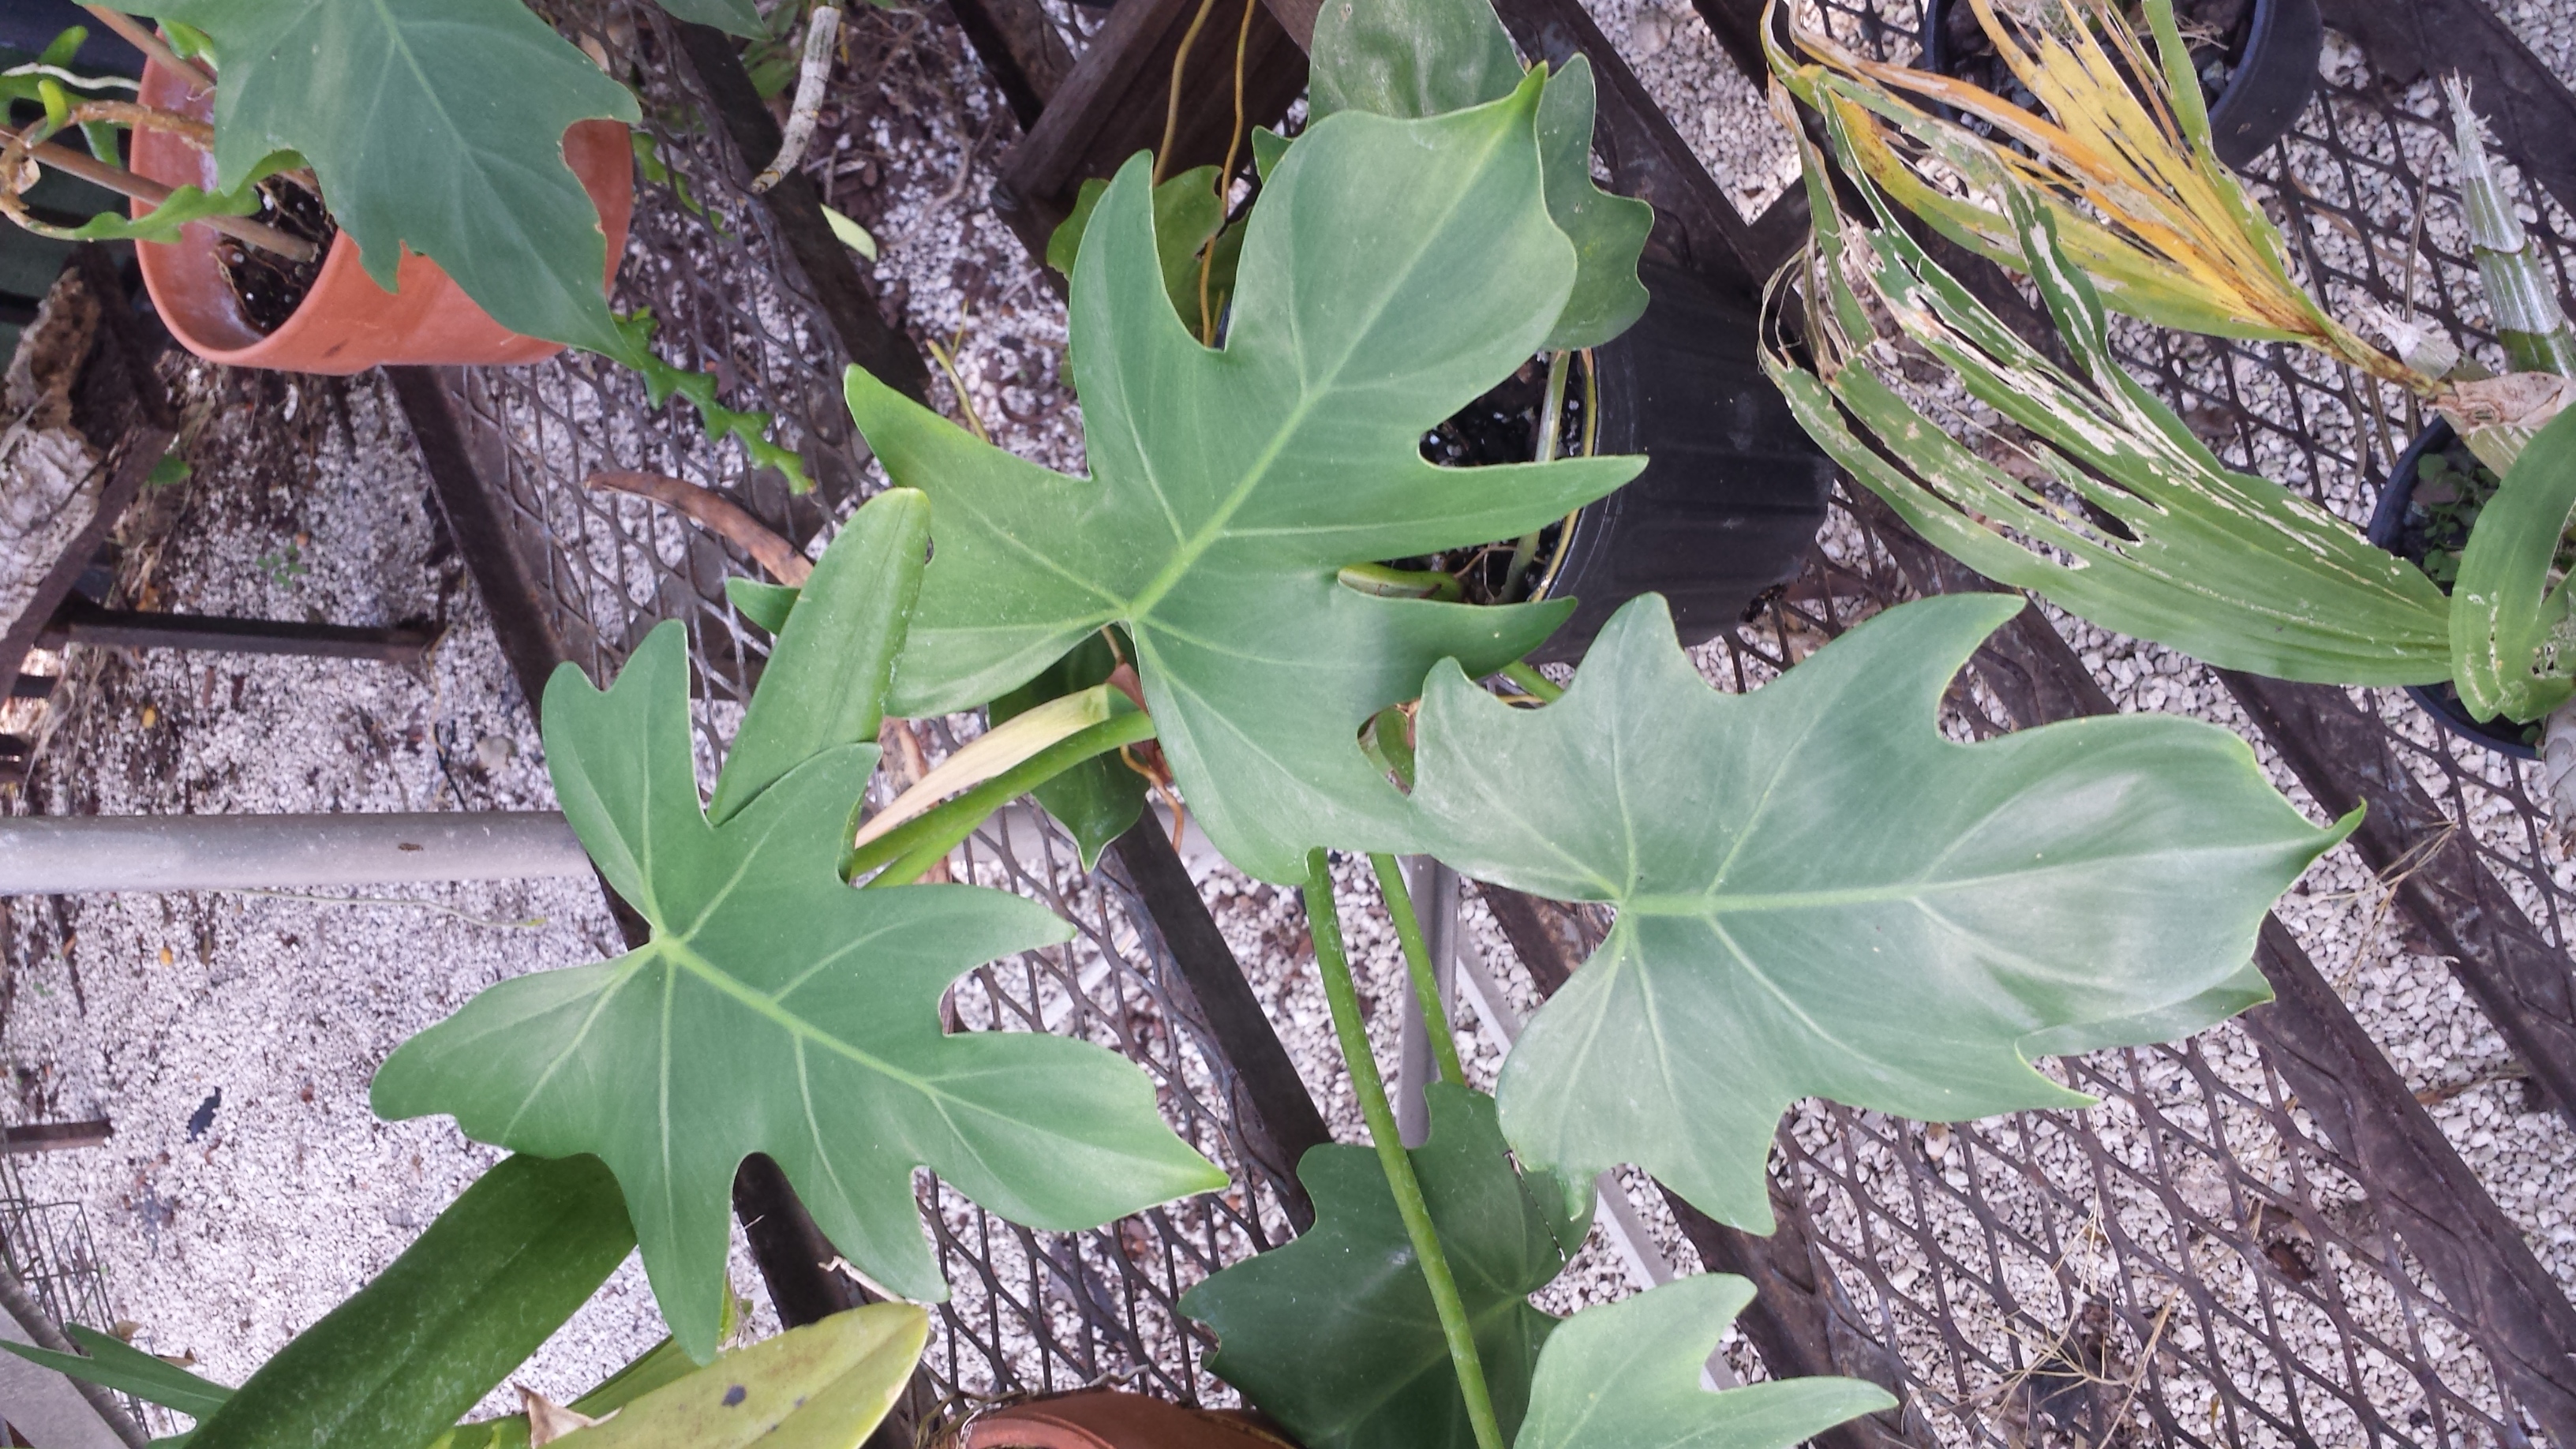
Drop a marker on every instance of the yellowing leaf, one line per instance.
(823, 1386)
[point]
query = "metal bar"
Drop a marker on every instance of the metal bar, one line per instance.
(78, 621)
(1285, 1122)
(34, 686)
(797, 209)
(67, 855)
(56, 1136)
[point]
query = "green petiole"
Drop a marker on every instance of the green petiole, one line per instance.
(907, 852)
(1417, 965)
(1352, 1033)
(1526, 675)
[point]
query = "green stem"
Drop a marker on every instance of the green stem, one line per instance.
(1417, 964)
(1526, 675)
(1551, 421)
(1344, 997)
(919, 844)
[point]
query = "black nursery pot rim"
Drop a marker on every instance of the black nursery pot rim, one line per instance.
(2387, 521)
(2274, 74)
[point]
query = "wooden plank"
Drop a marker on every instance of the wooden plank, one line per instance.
(1020, 49)
(1116, 102)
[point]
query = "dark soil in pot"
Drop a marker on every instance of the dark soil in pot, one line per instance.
(1732, 492)
(2429, 531)
(2257, 61)
(271, 287)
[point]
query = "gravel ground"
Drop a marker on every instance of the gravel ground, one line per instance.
(225, 1242)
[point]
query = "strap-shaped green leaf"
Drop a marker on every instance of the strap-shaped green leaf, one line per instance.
(120, 1365)
(432, 124)
(1625, 1375)
(2509, 650)
(826, 1385)
(2230, 568)
(1818, 894)
(491, 1280)
(1392, 272)
(1335, 1336)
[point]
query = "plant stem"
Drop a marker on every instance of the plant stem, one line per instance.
(1352, 1032)
(1551, 421)
(1172, 110)
(1417, 965)
(126, 183)
(140, 36)
(1526, 675)
(917, 846)
(718, 515)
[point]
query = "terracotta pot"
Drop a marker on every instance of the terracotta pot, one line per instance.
(346, 323)
(1113, 1419)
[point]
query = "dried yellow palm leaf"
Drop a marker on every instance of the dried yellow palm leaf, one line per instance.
(2121, 162)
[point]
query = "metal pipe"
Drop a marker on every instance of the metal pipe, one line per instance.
(66, 855)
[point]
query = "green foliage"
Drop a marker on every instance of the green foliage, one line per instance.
(2510, 650)
(1098, 799)
(1417, 58)
(489, 1281)
(2225, 566)
(764, 604)
(1334, 1334)
(662, 380)
(775, 1010)
(1818, 894)
(1625, 1375)
(1232, 484)
(432, 124)
(826, 1385)
(119, 1365)
(1189, 216)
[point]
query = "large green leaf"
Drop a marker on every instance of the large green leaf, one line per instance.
(1819, 894)
(492, 1279)
(1416, 58)
(432, 124)
(120, 1365)
(776, 1010)
(1625, 1375)
(2509, 610)
(2225, 566)
(1335, 1336)
(1393, 271)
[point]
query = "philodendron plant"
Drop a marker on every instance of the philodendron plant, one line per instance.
(428, 126)
(1817, 892)
(2076, 481)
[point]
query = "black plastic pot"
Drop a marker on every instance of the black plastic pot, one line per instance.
(1733, 489)
(2272, 69)
(2389, 528)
